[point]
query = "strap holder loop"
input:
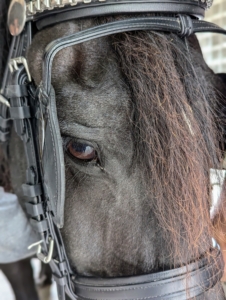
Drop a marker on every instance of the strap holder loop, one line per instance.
(39, 226)
(31, 190)
(20, 113)
(16, 91)
(186, 25)
(60, 280)
(34, 210)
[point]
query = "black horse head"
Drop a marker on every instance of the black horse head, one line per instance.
(139, 116)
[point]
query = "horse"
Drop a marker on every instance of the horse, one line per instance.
(141, 119)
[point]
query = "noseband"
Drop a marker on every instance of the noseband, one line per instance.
(33, 113)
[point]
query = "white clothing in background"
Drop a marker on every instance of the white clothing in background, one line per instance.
(16, 233)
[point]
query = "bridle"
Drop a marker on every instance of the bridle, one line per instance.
(33, 113)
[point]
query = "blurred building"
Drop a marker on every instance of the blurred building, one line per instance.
(214, 45)
(214, 51)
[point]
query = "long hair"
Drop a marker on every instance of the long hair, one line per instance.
(176, 132)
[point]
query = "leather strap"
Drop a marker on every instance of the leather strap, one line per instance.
(14, 91)
(183, 25)
(112, 7)
(177, 284)
(53, 162)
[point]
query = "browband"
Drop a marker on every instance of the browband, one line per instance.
(113, 7)
(38, 9)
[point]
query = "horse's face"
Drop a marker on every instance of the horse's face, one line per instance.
(139, 138)
(104, 218)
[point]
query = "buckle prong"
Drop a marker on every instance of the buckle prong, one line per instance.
(14, 62)
(46, 258)
(4, 101)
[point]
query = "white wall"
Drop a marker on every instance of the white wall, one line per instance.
(214, 51)
(214, 45)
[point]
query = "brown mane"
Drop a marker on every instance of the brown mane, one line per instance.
(176, 140)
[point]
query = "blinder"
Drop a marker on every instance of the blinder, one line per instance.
(34, 115)
(52, 158)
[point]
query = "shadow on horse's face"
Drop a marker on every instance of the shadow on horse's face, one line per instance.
(104, 218)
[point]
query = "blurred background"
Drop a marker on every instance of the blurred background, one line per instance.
(214, 51)
(214, 45)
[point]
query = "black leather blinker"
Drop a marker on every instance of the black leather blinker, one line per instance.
(53, 162)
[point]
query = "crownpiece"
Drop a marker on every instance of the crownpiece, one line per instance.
(49, 12)
(116, 6)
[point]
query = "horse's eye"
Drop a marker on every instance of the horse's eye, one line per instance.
(81, 151)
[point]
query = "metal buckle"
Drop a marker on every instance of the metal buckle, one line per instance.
(46, 258)
(34, 244)
(3, 100)
(14, 62)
